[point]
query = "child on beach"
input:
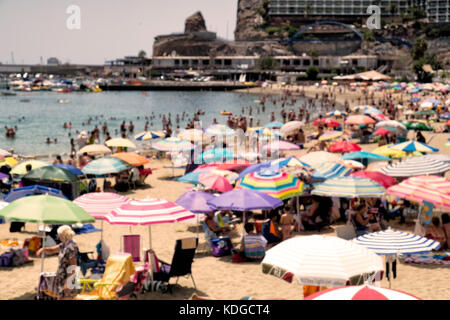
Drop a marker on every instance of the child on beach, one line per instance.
(286, 221)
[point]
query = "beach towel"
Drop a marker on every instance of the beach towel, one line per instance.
(439, 258)
(131, 245)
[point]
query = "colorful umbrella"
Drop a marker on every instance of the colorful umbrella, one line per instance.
(365, 155)
(244, 200)
(70, 168)
(359, 120)
(233, 164)
(99, 204)
(274, 125)
(18, 193)
(20, 169)
(336, 113)
(289, 162)
(94, 149)
(276, 184)
(352, 164)
(51, 173)
(9, 161)
(215, 155)
(418, 126)
(381, 132)
(380, 178)
(131, 158)
(364, 292)
(149, 135)
(349, 187)
(321, 261)
(215, 182)
(120, 142)
(329, 122)
(391, 124)
(417, 167)
(388, 152)
(328, 170)
(196, 202)
(411, 146)
(291, 126)
(330, 135)
(344, 146)
(104, 166)
(172, 145)
(280, 146)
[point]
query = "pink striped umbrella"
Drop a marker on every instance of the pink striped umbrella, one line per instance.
(148, 212)
(99, 204)
(364, 292)
(280, 145)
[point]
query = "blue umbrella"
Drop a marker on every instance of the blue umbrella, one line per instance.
(215, 155)
(192, 177)
(329, 170)
(245, 200)
(70, 168)
(364, 155)
(274, 125)
(445, 116)
(18, 193)
(254, 168)
(104, 166)
(196, 202)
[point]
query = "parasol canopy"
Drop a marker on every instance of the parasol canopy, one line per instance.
(364, 292)
(196, 202)
(51, 173)
(99, 204)
(120, 142)
(172, 145)
(245, 200)
(94, 149)
(359, 120)
(20, 169)
(104, 166)
(131, 158)
(417, 167)
(329, 122)
(349, 187)
(344, 146)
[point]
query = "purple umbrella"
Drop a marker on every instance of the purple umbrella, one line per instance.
(245, 200)
(196, 202)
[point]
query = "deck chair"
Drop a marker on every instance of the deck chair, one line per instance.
(86, 262)
(181, 262)
(118, 272)
(132, 245)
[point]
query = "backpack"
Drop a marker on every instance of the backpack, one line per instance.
(16, 226)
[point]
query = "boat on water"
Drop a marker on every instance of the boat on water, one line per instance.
(8, 93)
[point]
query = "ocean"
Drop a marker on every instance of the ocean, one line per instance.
(43, 116)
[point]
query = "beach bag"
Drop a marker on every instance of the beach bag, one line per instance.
(18, 258)
(34, 244)
(221, 247)
(6, 259)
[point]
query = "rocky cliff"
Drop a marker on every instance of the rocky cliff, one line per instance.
(249, 21)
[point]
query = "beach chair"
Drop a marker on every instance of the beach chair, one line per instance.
(132, 245)
(181, 265)
(131, 181)
(85, 262)
(118, 272)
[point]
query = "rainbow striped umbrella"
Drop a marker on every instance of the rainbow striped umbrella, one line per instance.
(432, 189)
(330, 135)
(149, 135)
(349, 187)
(172, 145)
(99, 204)
(279, 185)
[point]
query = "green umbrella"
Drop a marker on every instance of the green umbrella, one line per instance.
(417, 126)
(425, 113)
(51, 173)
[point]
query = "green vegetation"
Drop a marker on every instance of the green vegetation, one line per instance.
(336, 71)
(421, 58)
(142, 54)
(419, 49)
(267, 63)
(368, 36)
(272, 30)
(312, 73)
(313, 53)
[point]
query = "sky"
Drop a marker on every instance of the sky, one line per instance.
(109, 29)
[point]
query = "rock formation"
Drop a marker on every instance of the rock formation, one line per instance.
(195, 23)
(249, 22)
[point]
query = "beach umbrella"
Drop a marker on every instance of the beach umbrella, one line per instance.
(215, 155)
(219, 130)
(289, 162)
(359, 108)
(321, 261)
(280, 145)
(318, 157)
(379, 117)
(417, 126)
(20, 169)
(274, 125)
(192, 177)
(94, 149)
(391, 124)
(233, 164)
(418, 189)
(445, 116)
(344, 146)
(388, 152)
(149, 135)
(214, 182)
(120, 142)
(172, 145)
(349, 187)
(411, 146)
(245, 200)
(371, 110)
(105, 166)
(21, 192)
(417, 167)
(291, 126)
(51, 173)
(352, 164)
(279, 185)
(438, 157)
(364, 292)
(425, 113)
(365, 157)
(330, 135)
(256, 167)
(229, 175)
(329, 122)
(10, 161)
(148, 212)
(359, 120)
(380, 178)
(381, 132)
(337, 113)
(328, 170)
(193, 135)
(131, 158)
(196, 202)
(70, 168)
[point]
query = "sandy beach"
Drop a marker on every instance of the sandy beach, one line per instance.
(215, 277)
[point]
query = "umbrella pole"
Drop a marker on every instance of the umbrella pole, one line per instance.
(101, 233)
(150, 235)
(43, 251)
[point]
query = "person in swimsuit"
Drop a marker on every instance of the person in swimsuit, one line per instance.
(286, 221)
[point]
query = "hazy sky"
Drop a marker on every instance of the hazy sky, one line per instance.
(109, 28)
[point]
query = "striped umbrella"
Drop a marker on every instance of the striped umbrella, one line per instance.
(148, 212)
(329, 122)
(279, 185)
(291, 126)
(149, 135)
(172, 145)
(364, 292)
(378, 177)
(417, 167)
(344, 146)
(359, 120)
(336, 113)
(315, 159)
(349, 187)
(411, 146)
(438, 157)
(424, 188)
(289, 162)
(99, 204)
(321, 261)
(330, 135)
(329, 170)
(104, 166)
(393, 242)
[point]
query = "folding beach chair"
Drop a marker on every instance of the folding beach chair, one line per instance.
(132, 245)
(182, 260)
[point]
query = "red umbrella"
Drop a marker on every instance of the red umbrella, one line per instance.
(381, 132)
(233, 164)
(215, 182)
(359, 120)
(344, 146)
(329, 122)
(385, 180)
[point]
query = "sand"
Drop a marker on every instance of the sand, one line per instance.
(215, 277)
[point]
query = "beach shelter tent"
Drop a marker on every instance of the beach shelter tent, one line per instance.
(54, 177)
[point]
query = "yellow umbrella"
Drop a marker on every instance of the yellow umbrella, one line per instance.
(93, 149)
(120, 142)
(330, 135)
(389, 152)
(21, 168)
(9, 161)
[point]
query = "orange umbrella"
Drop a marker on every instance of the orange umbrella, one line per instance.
(359, 120)
(131, 158)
